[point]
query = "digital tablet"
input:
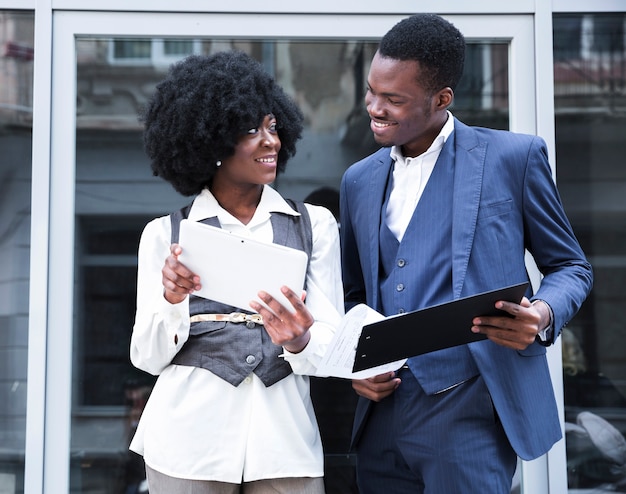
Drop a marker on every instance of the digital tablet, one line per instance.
(233, 268)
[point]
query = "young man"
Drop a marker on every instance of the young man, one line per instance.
(445, 211)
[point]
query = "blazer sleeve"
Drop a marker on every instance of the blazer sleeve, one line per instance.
(567, 275)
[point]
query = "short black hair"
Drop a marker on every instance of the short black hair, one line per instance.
(435, 43)
(201, 109)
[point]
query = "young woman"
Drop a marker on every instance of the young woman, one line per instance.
(230, 411)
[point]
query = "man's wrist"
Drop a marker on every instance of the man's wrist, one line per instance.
(546, 334)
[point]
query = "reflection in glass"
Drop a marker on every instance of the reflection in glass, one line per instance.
(116, 195)
(590, 97)
(177, 47)
(131, 49)
(16, 90)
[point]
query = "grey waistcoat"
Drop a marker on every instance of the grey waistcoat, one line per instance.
(233, 350)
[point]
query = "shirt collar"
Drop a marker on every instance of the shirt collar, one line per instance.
(437, 144)
(206, 206)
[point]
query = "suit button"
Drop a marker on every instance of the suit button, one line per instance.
(250, 359)
(401, 263)
(399, 287)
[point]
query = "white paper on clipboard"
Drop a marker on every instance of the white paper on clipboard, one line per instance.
(234, 268)
(340, 354)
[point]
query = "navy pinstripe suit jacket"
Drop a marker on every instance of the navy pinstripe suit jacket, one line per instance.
(505, 203)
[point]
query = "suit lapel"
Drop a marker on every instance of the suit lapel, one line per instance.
(380, 170)
(469, 155)
(469, 161)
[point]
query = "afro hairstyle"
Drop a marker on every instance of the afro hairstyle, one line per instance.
(203, 107)
(435, 43)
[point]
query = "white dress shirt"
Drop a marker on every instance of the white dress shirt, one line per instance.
(198, 426)
(410, 176)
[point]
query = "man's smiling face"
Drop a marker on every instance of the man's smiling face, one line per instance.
(402, 112)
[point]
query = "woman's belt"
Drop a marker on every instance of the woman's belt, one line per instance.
(237, 317)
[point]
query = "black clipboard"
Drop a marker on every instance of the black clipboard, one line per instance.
(429, 329)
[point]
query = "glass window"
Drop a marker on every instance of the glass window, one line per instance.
(590, 91)
(16, 100)
(174, 47)
(107, 259)
(150, 52)
(131, 50)
(116, 195)
(482, 97)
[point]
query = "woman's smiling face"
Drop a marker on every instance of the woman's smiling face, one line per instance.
(255, 160)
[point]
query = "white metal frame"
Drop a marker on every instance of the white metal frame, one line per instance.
(39, 255)
(58, 22)
(69, 25)
(320, 6)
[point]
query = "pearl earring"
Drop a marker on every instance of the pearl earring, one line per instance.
(218, 164)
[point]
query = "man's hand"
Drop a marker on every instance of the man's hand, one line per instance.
(378, 387)
(519, 331)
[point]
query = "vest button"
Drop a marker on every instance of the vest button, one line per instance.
(401, 263)
(250, 359)
(399, 287)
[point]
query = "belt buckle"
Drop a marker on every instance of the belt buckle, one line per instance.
(237, 317)
(249, 319)
(255, 318)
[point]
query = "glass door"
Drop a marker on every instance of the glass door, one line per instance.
(103, 193)
(590, 122)
(16, 179)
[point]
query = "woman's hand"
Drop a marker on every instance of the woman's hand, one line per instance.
(287, 329)
(178, 281)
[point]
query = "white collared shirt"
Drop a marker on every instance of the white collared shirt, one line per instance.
(410, 176)
(196, 425)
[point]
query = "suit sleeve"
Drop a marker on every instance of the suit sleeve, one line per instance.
(567, 275)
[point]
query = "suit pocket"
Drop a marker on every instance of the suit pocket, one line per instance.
(495, 209)
(439, 371)
(498, 246)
